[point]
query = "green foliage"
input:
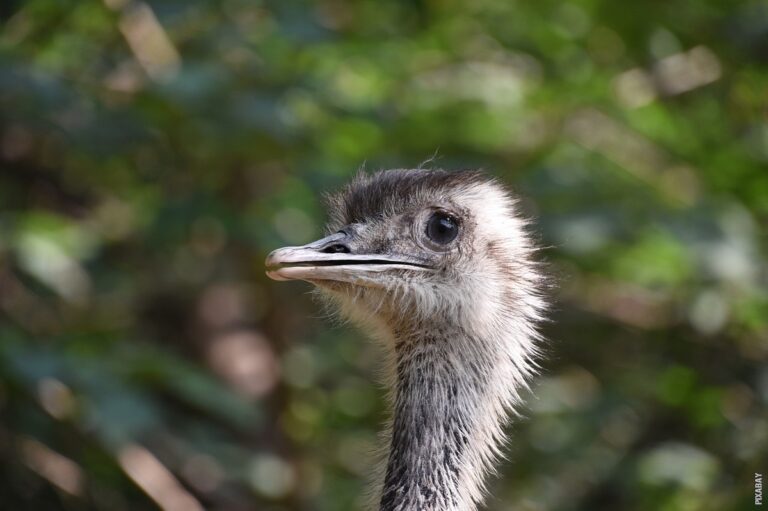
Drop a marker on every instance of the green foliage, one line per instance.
(153, 152)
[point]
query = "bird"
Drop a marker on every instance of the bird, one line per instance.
(441, 268)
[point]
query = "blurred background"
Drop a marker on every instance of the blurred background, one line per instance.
(153, 152)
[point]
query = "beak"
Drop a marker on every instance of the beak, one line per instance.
(331, 258)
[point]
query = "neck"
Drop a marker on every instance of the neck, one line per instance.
(452, 392)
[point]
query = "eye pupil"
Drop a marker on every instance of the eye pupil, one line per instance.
(442, 229)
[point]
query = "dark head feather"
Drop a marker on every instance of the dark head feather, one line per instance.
(370, 196)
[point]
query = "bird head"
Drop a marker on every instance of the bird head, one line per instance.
(410, 245)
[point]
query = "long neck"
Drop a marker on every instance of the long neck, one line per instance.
(452, 392)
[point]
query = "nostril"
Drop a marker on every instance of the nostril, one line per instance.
(336, 248)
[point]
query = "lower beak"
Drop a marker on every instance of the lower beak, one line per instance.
(330, 258)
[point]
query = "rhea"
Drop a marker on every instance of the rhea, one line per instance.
(439, 266)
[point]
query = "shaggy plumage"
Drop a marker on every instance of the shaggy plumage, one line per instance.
(458, 318)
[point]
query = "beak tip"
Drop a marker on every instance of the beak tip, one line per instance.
(274, 264)
(273, 259)
(276, 275)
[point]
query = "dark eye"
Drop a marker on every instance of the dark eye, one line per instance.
(442, 229)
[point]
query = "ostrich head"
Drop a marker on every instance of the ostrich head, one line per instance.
(439, 265)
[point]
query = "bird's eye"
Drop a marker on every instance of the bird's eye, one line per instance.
(442, 229)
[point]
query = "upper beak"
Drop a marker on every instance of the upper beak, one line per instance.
(332, 258)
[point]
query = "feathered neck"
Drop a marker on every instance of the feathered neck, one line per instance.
(452, 393)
